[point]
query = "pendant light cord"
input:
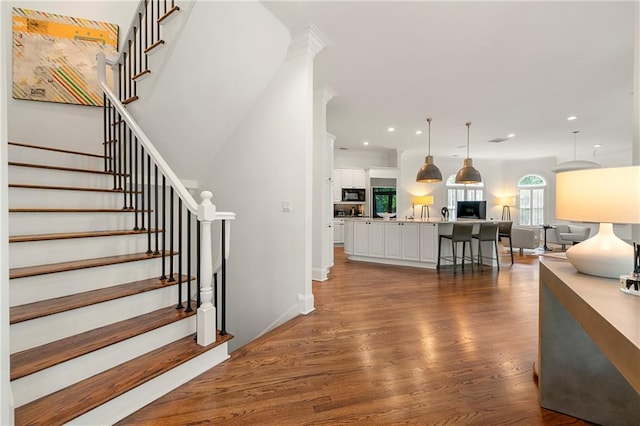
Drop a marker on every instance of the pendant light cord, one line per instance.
(429, 133)
(575, 132)
(468, 126)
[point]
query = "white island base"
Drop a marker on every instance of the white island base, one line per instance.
(406, 242)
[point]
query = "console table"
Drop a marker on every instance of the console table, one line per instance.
(589, 346)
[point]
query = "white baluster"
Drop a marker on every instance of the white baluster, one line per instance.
(206, 312)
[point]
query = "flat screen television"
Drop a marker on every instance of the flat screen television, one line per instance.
(471, 210)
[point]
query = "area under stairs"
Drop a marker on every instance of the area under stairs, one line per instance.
(95, 333)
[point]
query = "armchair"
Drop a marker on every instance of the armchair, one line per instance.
(525, 238)
(563, 234)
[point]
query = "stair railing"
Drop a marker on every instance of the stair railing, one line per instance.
(143, 37)
(139, 172)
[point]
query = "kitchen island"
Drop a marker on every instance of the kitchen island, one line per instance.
(409, 242)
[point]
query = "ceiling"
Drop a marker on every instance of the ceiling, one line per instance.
(518, 67)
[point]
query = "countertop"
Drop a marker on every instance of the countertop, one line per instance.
(430, 220)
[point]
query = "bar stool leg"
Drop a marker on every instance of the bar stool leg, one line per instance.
(497, 254)
(455, 256)
(511, 248)
(439, 253)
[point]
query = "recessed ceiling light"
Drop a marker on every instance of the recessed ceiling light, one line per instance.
(365, 143)
(598, 145)
(571, 118)
(511, 135)
(418, 132)
(391, 129)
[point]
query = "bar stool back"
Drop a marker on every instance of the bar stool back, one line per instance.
(504, 231)
(488, 232)
(461, 233)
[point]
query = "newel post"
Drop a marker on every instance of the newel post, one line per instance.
(206, 312)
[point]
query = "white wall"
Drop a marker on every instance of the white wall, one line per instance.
(42, 123)
(6, 412)
(224, 57)
(226, 112)
(362, 159)
(267, 161)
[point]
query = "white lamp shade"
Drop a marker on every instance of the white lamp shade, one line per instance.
(608, 196)
(599, 195)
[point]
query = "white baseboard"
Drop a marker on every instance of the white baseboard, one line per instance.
(319, 274)
(306, 303)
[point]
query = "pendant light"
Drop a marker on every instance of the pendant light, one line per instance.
(468, 174)
(568, 166)
(429, 172)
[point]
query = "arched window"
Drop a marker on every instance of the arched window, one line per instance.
(460, 192)
(532, 192)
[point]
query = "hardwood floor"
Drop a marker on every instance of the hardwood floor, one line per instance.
(385, 345)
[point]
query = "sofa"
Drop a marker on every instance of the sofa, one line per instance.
(524, 237)
(563, 234)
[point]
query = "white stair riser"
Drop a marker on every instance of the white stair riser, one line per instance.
(46, 223)
(42, 383)
(30, 175)
(48, 286)
(54, 251)
(53, 198)
(43, 330)
(118, 408)
(42, 156)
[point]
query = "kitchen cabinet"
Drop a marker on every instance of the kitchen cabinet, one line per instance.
(337, 186)
(411, 241)
(401, 241)
(350, 178)
(361, 238)
(338, 231)
(348, 237)
(368, 238)
(376, 239)
(428, 242)
(393, 240)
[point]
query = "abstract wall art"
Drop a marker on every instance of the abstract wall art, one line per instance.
(54, 57)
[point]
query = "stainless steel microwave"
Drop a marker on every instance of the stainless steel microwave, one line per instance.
(353, 194)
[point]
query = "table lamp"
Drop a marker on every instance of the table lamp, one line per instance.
(605, 196)
(425, 201)
(506, 202)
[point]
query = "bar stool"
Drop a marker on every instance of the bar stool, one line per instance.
(488, 232)
(504, 231)
(461, 233)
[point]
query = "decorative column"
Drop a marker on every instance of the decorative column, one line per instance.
(206, 319)
(322, 241)
(305, 45)
(635, 229)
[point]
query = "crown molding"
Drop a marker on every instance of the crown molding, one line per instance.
(324, 95)
(307, 41)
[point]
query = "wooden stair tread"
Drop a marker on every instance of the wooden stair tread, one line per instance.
(168, 14)
(30, 271)
(72, 235)
(141, 75)
(130, 99)
(66, 151)
(41, 357)
(153, 46)
(47, 307)
(66, 169)
(57, 210)
(70, 188)
(77, 399)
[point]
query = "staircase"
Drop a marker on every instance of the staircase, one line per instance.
(103, 319)
(94, 330)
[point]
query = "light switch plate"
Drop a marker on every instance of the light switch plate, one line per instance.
(286, 206)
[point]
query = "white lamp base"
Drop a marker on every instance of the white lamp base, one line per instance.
(603, 255)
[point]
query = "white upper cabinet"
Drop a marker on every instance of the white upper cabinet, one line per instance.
(350, 178)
